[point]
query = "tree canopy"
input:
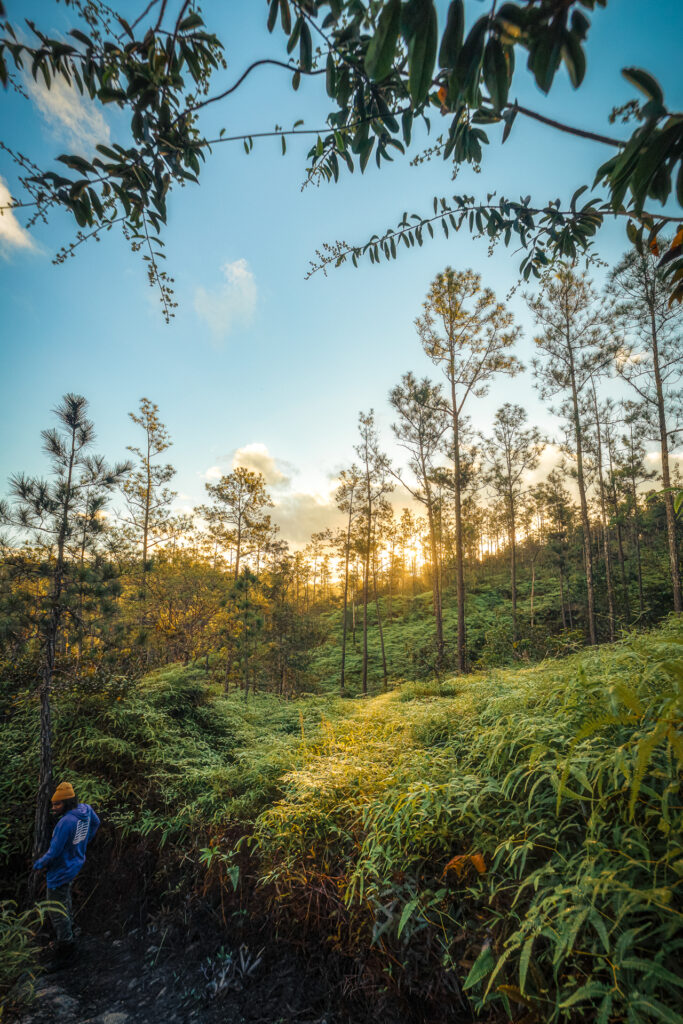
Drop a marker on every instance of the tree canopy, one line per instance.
(387, 65)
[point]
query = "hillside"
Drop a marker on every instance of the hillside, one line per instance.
(503, 843)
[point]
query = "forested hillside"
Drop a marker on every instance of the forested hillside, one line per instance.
(502, 840)
(341, 620)
(440, 743)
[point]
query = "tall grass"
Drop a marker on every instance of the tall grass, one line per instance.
(169, 758)
(18, 953)
(521, 834)
(509, 839)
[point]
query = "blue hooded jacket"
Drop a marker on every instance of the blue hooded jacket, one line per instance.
(66, 854)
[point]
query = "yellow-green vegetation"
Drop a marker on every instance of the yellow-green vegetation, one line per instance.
(562, 778)
(515, 832)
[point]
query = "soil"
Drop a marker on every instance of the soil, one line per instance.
(147, 978)
(145, 958)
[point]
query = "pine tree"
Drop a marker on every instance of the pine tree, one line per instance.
(419, 429)
(466, 331)
(651, 361)
(237, 511)
(374, 467)
(512, 450)
(346, 497)
(148, 499)
(576, 343)
(59, 514)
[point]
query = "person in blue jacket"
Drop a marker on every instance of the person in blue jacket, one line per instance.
(76, 825)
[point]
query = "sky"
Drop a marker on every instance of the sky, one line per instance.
(261, 366)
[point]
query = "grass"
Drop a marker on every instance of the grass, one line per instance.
(510, 838)
(409, 633)
(560, 781)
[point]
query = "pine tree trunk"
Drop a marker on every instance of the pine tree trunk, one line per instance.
(459, 557)
(366, 581)
(603, 515)
(636, 540)
(513, 567)
(346, 596)
(585, 521)
(622, 561)
(436, 595)
(666, 475)
(364, 676)
(385, 674)
(41, 832)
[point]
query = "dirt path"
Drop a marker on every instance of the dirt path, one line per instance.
(141, 980)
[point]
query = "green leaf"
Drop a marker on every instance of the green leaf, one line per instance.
(272, 14)
(524, 961)
(599, 925)
(545, 60)
(407, 125)
(81, 37)
(605, 1010)
(482, 966)
(285, 17)
(421, 32)
(465, 78)
(451, 41)
(496, 72)
(655, 1009)
(509, 118)
(330, 76)
(587, 991)
(405, 916)
(193, 20)
(574, 59)
(645, 82)
(650, 967)
(365, 152)
(305, 48)
(382, 49)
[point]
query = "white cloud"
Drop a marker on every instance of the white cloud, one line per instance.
(657, 457)
(12, 235)
(299, 514)
(551, 457)
(212, 473)
(69, 114)
(257, 458)
(230, 305)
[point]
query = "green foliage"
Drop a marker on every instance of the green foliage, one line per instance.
(18, 953)
(514, 832)
(575, 913)
(379, 65)
(169, 758)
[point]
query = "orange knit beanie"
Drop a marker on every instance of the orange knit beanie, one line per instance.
(64, 791)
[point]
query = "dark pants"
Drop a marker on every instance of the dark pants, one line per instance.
(62, 916)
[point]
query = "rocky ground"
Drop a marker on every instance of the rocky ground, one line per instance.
(143, 979)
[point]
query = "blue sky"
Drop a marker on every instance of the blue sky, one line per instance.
(259, 360)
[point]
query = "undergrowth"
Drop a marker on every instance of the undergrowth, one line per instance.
(508, 840)
(519, 832)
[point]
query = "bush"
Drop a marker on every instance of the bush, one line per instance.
(522, 836)
(18, 952)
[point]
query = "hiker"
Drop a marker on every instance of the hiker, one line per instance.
(76, 825)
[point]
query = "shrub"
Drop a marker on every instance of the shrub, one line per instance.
(523, 836)
(18, 952)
